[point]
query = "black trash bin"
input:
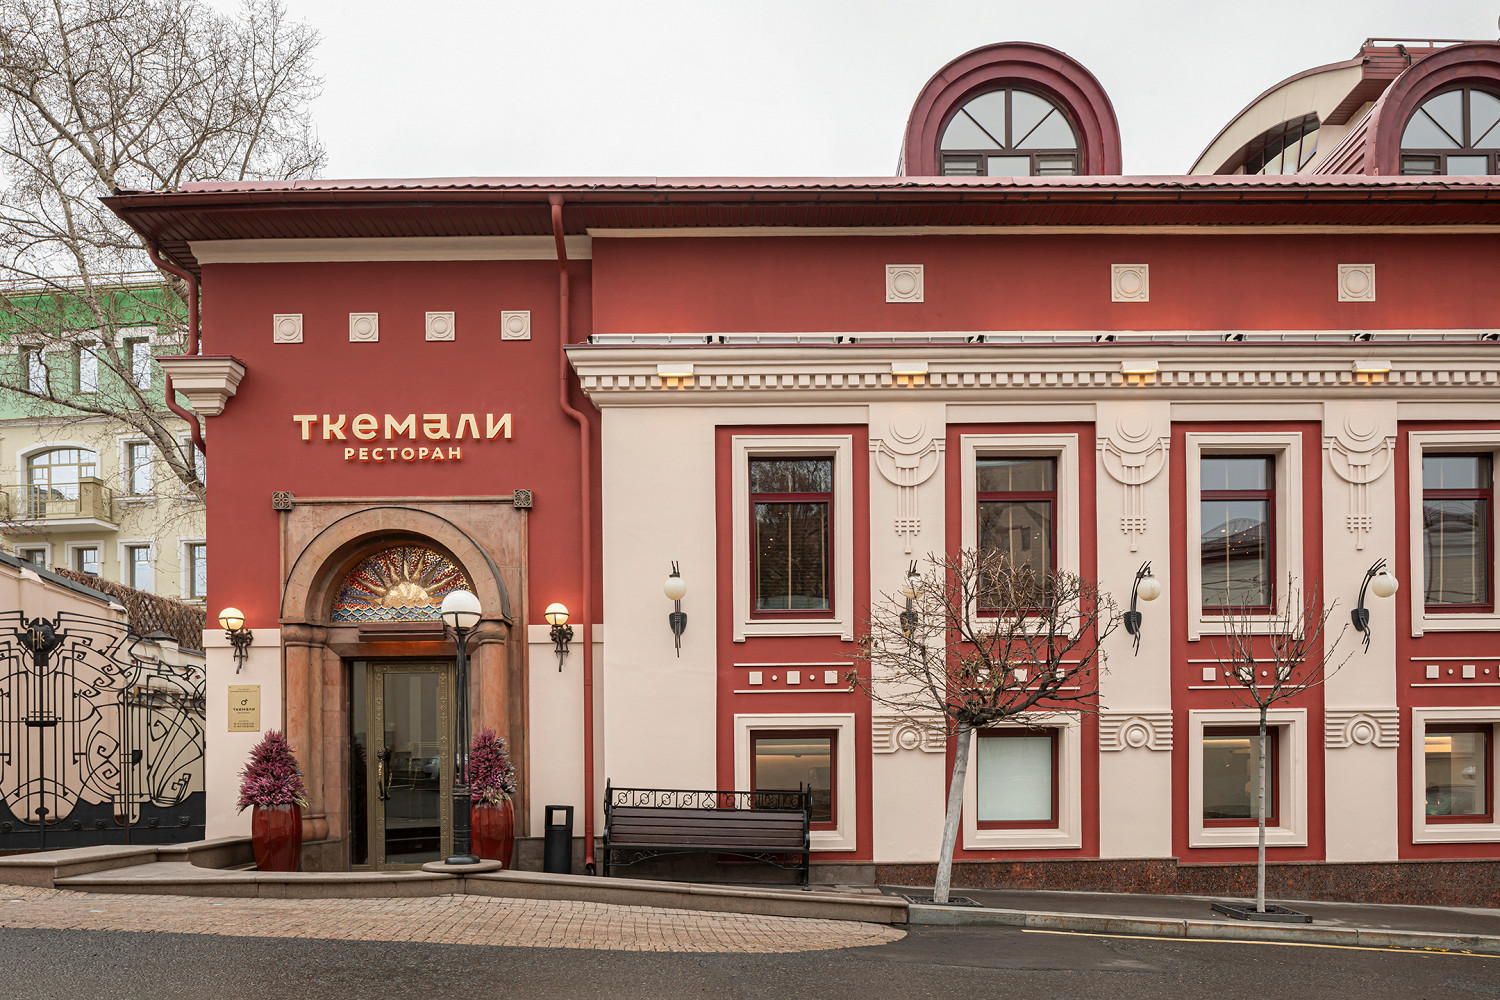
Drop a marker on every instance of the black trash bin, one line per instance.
(557, 842)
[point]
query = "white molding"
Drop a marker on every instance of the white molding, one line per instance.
(845, 834)
(1062, 447)
(364, 328)
(414, 248)
(743, 232)
(1356, 283)
(905, 283)
(841, 448)
(286, 328)
(1423, 832)
(22, 454)
(1417, 443)
(1068, 833)
(1135, 731)
(1130, 282)
(122, 558)
(207, 380)
(185, 567)
(90, 543)
(441, 326)
(1291, 778)
(122, 475)
(1289, 527)
(515, 324)
(1377, 727)
(46, 550)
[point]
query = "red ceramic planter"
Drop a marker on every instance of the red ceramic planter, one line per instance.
(494, 832)
(276, 833)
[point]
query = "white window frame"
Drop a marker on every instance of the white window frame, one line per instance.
(200, 462)
(185, 567)
(1068, 833)
(90, 349)
(72, 547)
(1436, 442)
(844, 835)
(1290, 783)
(1286, 449)
(38, 354)
(840, 448)
(125, 492)
(123, 552)
(45, 550)
(1423, 832)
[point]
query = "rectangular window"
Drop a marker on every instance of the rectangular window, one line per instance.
(36, 370)
(1017, 501)
(792, 507)
(138, 566)
(1457, 531)
(86, 560)
(1459, 776)
(37, 557)
(1231, 776)
(1237, 497)
(88, 369)
(1016, 778)
(197, 571)
(138, 468)
(140, 363)
(792, 760)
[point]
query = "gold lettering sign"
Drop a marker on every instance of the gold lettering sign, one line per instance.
(244, 708)
(409, 428)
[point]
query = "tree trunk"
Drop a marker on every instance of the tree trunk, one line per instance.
(1260, 811)
(950, 821)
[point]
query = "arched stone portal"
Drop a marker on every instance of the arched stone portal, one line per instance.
(322, 541)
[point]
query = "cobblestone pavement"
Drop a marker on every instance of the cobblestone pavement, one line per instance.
(529, 923)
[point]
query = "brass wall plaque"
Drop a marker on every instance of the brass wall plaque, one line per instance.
(244, 708)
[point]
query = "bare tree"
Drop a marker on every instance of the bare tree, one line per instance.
(97, 96)
(978, 641)
(1271, 658)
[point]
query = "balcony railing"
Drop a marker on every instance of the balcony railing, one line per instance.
(88, 499)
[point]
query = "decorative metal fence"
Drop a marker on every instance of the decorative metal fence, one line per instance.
(100, 741)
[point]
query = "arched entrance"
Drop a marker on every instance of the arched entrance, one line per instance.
(368, 670)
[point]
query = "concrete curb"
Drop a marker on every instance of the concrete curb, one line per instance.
(1201, 930)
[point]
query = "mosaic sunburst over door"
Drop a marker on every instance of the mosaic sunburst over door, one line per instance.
(404, 583)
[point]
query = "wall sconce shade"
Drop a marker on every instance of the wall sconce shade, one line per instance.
(909, 368)
(1138, 368)
(676, 589)
(460, 610)
(561, 633)
(675, 369)
(1372, 366)
(1146, 588)
(1384, 585)
(232, 620)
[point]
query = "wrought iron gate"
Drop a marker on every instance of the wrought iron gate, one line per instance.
(100, 741)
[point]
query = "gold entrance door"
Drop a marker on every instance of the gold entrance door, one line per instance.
(402, 727)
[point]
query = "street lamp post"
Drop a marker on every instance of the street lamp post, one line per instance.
(460, 612)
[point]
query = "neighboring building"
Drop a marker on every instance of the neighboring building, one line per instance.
(82, 491)
(548, 390)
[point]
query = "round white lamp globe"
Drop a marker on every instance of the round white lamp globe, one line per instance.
(460, 609)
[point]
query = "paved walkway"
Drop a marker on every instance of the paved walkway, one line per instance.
(439, 920)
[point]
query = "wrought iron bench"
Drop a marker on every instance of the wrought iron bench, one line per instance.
(769, 826)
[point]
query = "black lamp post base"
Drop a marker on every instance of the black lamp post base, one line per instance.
(461, 859)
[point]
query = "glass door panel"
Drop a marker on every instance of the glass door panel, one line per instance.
(405, 736)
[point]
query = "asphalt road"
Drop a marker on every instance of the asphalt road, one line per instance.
(930, 962)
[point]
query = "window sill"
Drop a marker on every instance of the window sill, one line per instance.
(1024, 838)
(1456, 833)
(1456, 621)
(1245, 836)
(761, 627)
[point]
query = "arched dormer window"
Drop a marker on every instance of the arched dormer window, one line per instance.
(1285, 149)
(1009, 133)
(1456, 132)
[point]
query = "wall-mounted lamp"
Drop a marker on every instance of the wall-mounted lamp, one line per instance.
(232, 621)
(1147, 588)
(1384, 585)
(909, 372)
(676, 589)
(909, 588)
(1372, 366)
(675, 369)
(562, 633)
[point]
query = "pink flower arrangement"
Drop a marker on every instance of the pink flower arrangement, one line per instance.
(492, 777)
(271, 776)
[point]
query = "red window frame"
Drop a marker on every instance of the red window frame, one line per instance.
(1273, 782)
(982, 497)
(1269, 496)
(1487, 730)
(1013, 732)
(1485, 493)
(833, 766)
(826, 499)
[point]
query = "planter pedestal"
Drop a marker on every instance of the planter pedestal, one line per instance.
(493, 832)
(276, 834)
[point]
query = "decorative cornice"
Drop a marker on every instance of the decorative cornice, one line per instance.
(628, 374)
(207, 380)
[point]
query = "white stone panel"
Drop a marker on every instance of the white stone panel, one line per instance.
(225, 753)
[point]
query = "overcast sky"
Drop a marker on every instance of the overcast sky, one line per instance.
(817, 88)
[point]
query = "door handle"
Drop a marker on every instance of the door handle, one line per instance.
(383, 776)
